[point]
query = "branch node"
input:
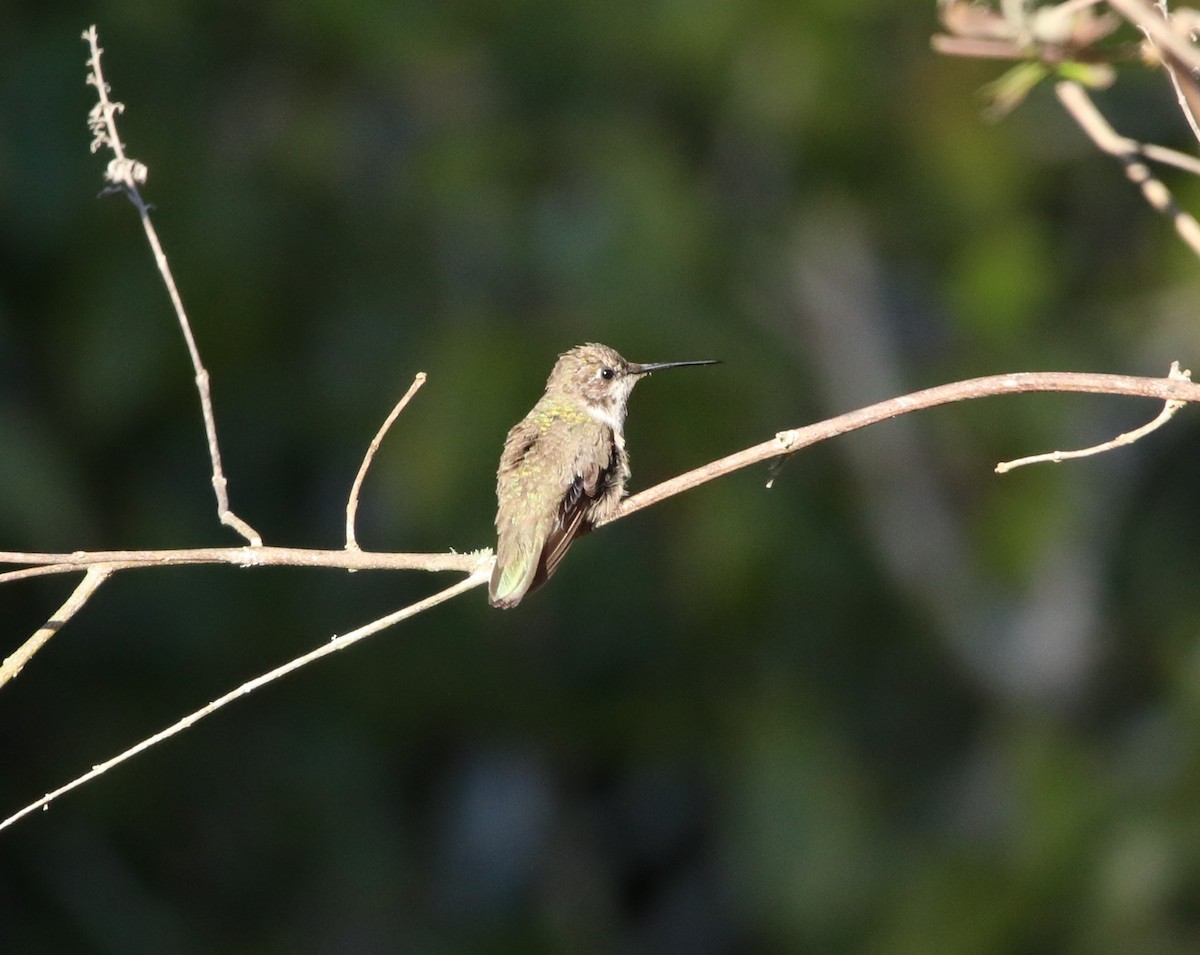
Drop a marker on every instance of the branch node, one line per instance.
(14, 663)
(125, 173)
(1076, 101)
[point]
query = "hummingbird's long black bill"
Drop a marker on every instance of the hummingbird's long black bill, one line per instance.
(636, 369)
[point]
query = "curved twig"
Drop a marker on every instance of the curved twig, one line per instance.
(788, 442)
(352, 502)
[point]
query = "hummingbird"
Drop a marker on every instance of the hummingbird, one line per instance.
(564, 466)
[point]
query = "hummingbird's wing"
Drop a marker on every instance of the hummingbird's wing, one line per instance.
(578, 467)
(581, 492)
(596, 480)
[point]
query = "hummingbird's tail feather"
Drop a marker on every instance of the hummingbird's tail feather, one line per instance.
(511, 580)
(515, 575)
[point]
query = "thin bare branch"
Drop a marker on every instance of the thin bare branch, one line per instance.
(352, 503)
(789, 442)
(16, 661)
(1128, 437)
(479, 576)
(1077, 102)
(125, 175)
(238, 556)
(977, 47)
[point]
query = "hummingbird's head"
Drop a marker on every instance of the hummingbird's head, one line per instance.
(602, 378)
(595, 373)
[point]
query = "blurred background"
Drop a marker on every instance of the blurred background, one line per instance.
(894, 704)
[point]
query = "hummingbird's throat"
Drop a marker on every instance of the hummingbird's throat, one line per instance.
(605, 414)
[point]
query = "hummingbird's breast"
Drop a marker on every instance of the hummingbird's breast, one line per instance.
(562, 455)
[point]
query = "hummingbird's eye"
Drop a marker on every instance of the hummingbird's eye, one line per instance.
(607, 374)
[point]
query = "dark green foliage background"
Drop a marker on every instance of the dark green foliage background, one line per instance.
(739, 722)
